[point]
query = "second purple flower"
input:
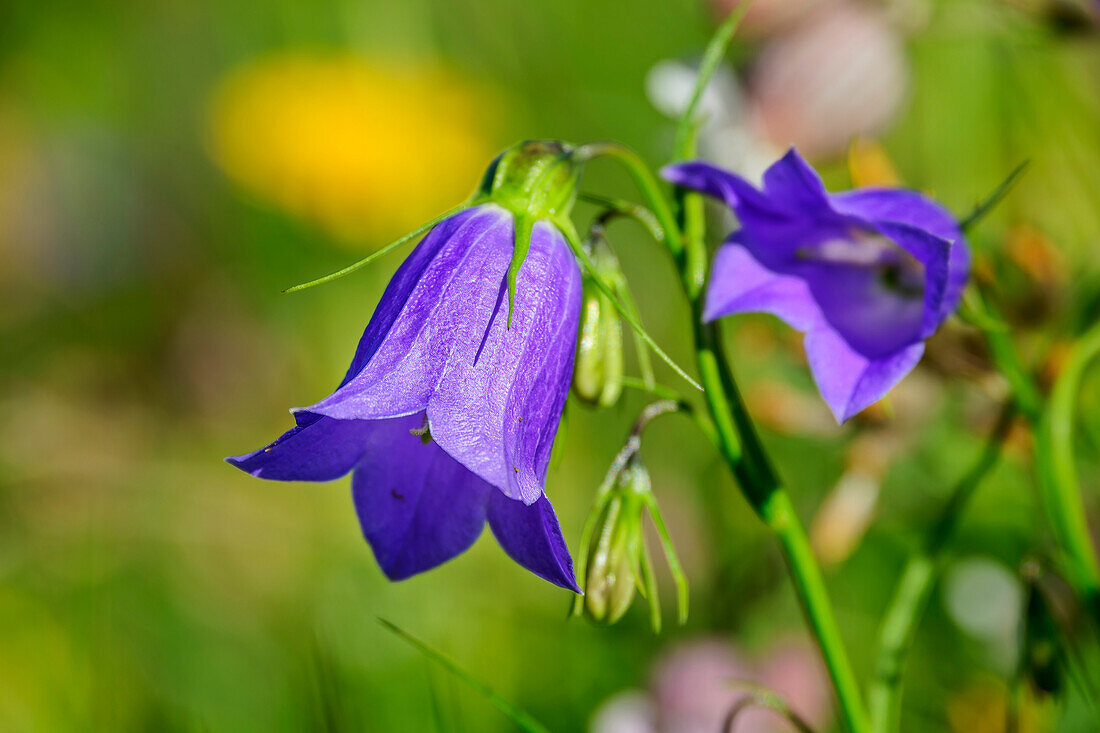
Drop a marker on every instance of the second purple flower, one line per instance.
(867, 275)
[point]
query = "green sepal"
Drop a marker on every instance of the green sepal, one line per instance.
(384, 250)
(525, 224)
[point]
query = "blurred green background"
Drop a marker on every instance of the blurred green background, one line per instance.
(166, 168)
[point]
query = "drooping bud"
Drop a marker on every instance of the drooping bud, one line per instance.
(598, 368)
(614, 552)
(614, 562)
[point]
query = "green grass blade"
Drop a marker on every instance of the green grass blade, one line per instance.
(511, 710)
(994, 198)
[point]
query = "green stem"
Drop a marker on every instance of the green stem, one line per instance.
(1058, 472)
(1052, 424)
(743, 451)
(779, 514)
(647, 184)
(1025, 393)
(914, 589)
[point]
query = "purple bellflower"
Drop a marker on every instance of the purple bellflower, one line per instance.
(450, 407)
(867, 275)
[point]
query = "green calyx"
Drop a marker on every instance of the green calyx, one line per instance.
(615, 563)
(536, 179)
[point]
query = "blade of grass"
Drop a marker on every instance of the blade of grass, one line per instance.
(979, 212)
(511, 710)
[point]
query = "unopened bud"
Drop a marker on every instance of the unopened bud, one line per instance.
(598, 368)
(614, 562)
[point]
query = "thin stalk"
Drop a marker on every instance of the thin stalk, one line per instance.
(716, 51)
(779, 514)
(914, 589)
(1058, 472)
(628, 209)
(1052, 423)
(647, 184)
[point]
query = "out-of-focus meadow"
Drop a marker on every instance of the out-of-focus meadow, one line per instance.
(167, 168)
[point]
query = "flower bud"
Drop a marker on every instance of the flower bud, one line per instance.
(535, 177)
(616, 556)
(598, 368)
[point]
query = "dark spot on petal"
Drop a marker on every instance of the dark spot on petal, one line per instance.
(399, 497)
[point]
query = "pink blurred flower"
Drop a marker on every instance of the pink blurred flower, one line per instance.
(840, 74)
(766, 17)
(695, 685)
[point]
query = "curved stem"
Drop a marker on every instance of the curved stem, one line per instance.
(647, 185)
(1053, 426)
(914, 589)
(1058, 472)
(628, 209)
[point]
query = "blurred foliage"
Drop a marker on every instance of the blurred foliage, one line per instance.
(146, 585)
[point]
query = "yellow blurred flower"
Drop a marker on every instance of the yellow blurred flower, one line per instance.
(367, 149)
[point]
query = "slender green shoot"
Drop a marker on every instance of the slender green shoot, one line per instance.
(712, 57)
(982, 209)
(377, 254)
(571, 236)
(511, 710)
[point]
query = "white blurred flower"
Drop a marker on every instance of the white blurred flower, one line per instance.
(986, 600)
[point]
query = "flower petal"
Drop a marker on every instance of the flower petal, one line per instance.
(873, 319)
(499, 401)
(715, 182)
(881, 206)
(792, 183)
(417, 506)
(850, 381)
(934, 253)
(739, 283)
(444, 307)
(531, 536)
(316, 449)
(401, 287)
(901, 206)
